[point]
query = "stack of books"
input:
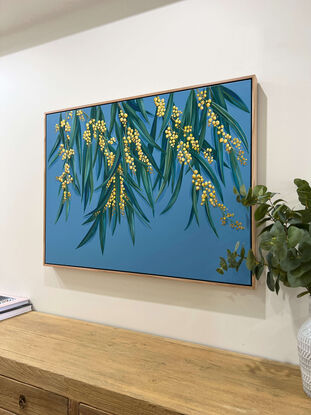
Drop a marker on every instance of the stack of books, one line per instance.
(13, 306)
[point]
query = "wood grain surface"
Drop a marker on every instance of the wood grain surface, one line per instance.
(86, 410)
(36, 400)
(127, 373)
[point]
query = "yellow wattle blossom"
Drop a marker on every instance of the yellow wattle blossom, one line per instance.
(237, 225)
(183, 155)
(123, 118)
(65, 154)
(65, 179)
(160, 104)
(80, 115)
(225, 138)
(133, 137)
(208, 155)
(176, 113)
(128, 158)
(98, 127)
(171, 136)
(194, 143)
(111, 203)
(187, 130)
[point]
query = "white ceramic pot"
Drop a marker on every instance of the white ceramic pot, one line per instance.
(304, 351)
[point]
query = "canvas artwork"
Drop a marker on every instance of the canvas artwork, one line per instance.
(144, 185)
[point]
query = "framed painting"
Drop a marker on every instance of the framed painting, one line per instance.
(144, 185)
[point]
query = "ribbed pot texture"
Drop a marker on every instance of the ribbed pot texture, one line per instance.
(304, 351)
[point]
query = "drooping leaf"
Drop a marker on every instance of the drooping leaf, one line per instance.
(176, 191)
(234, 98)
(232, 122)
(90, 234)
(102, 231)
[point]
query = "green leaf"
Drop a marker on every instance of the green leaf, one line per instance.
(219, 155)
(167, 114)
(233, 98)
(304, 192)
(60, 209)
(275, 241)
(235, 170)
(102, 231)
(302, 294)
(233, 123)
(55, 147)
(166, 169)
(210, 173)
(140, 103)
(270, 281)
(209, 218)
(139, 125)
(90, 234)
(295, 235)
(176, 191)
(261, 211)
(195, 204)
(223, 263)
(148, 187)
(130, 220)
(251, 260)
(113, 113)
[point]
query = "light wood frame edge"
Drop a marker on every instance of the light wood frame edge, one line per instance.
(253, 180)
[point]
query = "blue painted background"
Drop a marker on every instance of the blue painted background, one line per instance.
(166, 249)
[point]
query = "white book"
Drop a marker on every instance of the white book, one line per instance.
(7, 302)
(15, 312)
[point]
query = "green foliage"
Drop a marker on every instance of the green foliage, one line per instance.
(122, 166)
(284, 239)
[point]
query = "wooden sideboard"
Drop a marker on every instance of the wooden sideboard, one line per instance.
(57, 366)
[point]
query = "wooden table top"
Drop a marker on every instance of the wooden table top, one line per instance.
(130, 373)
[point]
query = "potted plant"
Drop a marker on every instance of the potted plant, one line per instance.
(284, 252)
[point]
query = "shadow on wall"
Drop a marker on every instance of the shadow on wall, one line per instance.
(222, 299)
(34, 25)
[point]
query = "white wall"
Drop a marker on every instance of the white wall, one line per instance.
(184, 43)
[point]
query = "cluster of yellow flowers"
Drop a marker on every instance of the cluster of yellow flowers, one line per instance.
(133, 137)
(66, 179)
(123, 196)
(87, 135)
(110, 157)
(225, 138)
(69, 115)
(123, 118)
(160, 104)
(209, 194)
(112, 198)
(66, 154)
(240, 157)
(63, 124)
(183, 154)
(176, 113)
(194, 143)
(197, 180)
(208, 155)
(187, 129)
(99, 126)
(171, 136)
(128, 158)
(225, 217)
(202, 100)
(237, 225)
(80, 115)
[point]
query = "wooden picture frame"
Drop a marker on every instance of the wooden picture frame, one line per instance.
(253, 113)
